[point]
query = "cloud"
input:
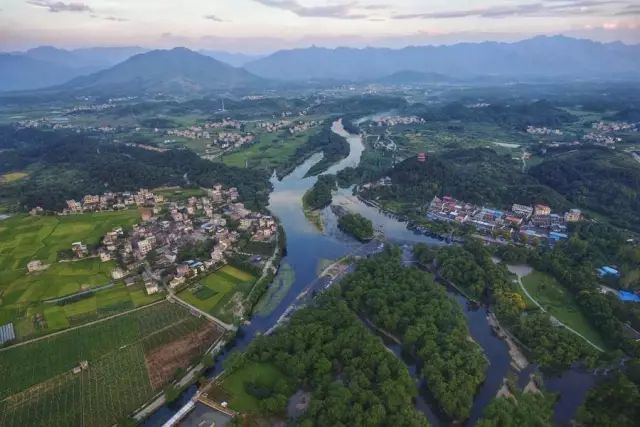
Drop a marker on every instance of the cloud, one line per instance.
(214, 18)
(631, 10)
(339, 11)
(58, 6)
(547, 8)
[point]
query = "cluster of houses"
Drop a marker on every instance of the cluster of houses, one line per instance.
(603, 133)
(525, 221)
(203, 131)
(218, 218)
(398, 120)
(232, 139)
(293, 127)
(113, 201)
(533, 130)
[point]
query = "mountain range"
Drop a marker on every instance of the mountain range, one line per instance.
(178, 70)
(135, 68)
(539, 57)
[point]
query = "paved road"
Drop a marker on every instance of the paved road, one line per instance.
(79, 326)
(555, 319)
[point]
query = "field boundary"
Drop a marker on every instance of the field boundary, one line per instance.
(19, 344)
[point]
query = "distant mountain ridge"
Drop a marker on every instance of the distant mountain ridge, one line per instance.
(175, 70)
(547, 57)
(47, 65)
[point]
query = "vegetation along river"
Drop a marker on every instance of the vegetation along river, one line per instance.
(307, 248)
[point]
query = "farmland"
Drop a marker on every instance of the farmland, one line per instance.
(270, 151)
(38, 387)
(26, 238)
(215, 293)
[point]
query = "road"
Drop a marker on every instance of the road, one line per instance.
(64, 331)
(554, 319)
(182, 302)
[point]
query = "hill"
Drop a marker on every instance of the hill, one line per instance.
(539, 57)
(19, 72)
(175, 70)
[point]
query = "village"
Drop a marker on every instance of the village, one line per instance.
(150, 252)
(526, 223)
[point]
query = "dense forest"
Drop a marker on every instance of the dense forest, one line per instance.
(333, 147)
(408, 304)
(597, 179)
(510, 116)
(65, 165)
(477, 175)
(612, 403)
(521, 409)
(357, 226)
(353, 379)
(470, 268)
(319, 196)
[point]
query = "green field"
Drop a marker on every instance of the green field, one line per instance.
(214, 293)
(38, 387)
(25, 238)
(560, 304)
(270, 151)
(234, 384)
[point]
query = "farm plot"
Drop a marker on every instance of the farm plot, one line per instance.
(25, 238)
(215, 292)
(39, 386)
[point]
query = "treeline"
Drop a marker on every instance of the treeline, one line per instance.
(67, 165)
(357, 226)
(597, 179)
(476, 175)
(333, 147)
(408, 304)
(509, 116)
(528, 409)
(353, 379)
(319, 196)
(470, 267)
(613, 402)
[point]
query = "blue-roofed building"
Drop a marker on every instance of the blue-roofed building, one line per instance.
(628, 296)
(606, 271)
(554, 235)
(7, 333)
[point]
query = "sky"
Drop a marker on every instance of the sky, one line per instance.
(261, 26)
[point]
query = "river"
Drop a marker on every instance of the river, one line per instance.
(307, 247)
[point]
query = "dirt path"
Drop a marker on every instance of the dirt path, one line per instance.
(553, 319)
(64, 331)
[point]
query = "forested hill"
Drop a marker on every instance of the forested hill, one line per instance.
(598, 179)
(477, 175)
(66, 165)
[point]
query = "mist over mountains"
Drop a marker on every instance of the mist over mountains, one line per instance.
(180, 69)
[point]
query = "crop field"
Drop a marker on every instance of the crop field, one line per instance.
(39, 387)
(214, 292)
(560, 303)
(26, 238)
(270, 151)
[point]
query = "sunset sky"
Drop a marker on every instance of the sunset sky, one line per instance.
(258, 26)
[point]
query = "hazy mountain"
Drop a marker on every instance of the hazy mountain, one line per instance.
(94, 58)
(231, 58)
(18, 72)
(551, 57)
(175, 70)
(47, 65)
